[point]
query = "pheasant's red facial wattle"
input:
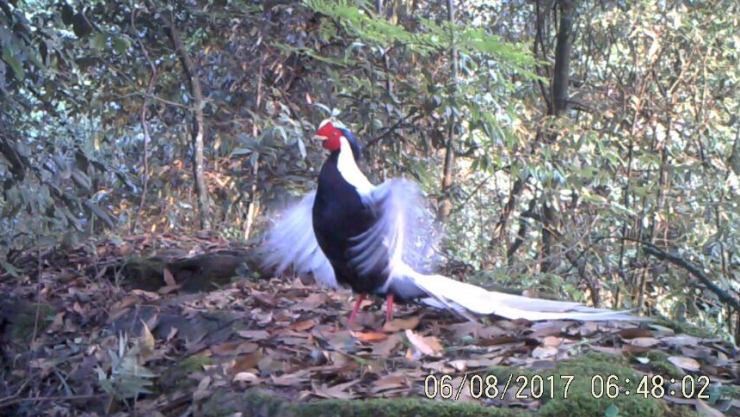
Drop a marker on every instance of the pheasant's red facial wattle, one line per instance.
(331, 137)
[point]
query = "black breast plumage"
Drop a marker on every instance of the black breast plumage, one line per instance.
(339, 215)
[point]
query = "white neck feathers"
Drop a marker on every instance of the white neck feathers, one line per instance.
(350, 171)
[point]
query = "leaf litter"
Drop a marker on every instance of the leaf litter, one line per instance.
(83, 341)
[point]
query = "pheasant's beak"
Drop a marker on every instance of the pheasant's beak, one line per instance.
(319, 137)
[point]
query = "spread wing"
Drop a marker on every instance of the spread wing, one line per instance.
(291, 242)
(396, 238)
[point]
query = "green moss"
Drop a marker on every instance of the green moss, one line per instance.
(588, 373)
(267, 404)
(580, 400)
(659, 363)
(141, 273)
(176, 377)
(22, 320)
(401, 407)
(683, 411)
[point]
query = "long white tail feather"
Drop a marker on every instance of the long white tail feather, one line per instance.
(291, 242)
(461, 297)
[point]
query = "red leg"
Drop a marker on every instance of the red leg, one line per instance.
(389, 308)
(352, 316)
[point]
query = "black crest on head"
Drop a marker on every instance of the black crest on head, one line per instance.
(356, 149)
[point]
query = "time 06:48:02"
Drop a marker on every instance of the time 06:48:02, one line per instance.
(654, 386)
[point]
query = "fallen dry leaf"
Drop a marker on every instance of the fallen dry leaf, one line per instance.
(302, 326)
(287, 380)
(484, 363)
(310, 303)
(233, 348)
(643, 341)
(499, 340)
(460, 365)
(370, 337)
(254, 334)
(169, 279)
(201, 391)
(337, 391)
(401, 324)
(634, 350)
(427, 345)
(548, 328)
(634, 333)
(247, 362)
(386, 347)
(392, 381)
(542, 352)
(147, 337)
(246, 377)
(552, 341)
(688, 364)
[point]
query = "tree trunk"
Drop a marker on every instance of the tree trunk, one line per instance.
(198, 126)
(445, 205)
(560, 78)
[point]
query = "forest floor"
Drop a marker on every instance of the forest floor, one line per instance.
(175, 326)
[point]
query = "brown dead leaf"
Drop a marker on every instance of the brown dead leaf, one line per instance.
(552, 341)
(438, 366)
(146, 336)
(484, 363)
(633, 350)
(78, 308)
(264, 299)
(542, 352)
(233, 348)
(171, 335)
(688, 364)
(126, 302)
(499, 340)
(58, 322)
(386, 347)
(586, 329)
(467, 328)
(460, 365)
(428, 345)
(310, 303)
(248, 362)
(370, 336)
(643, 341)
(392, 381)
(302, 326)
(337, 391)
(548, 328)
(201, 391)
(169, 279)
(254, 334)
(288, 380)
(339, 359)
(401, 324)
(168, 289)
(634, 333)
